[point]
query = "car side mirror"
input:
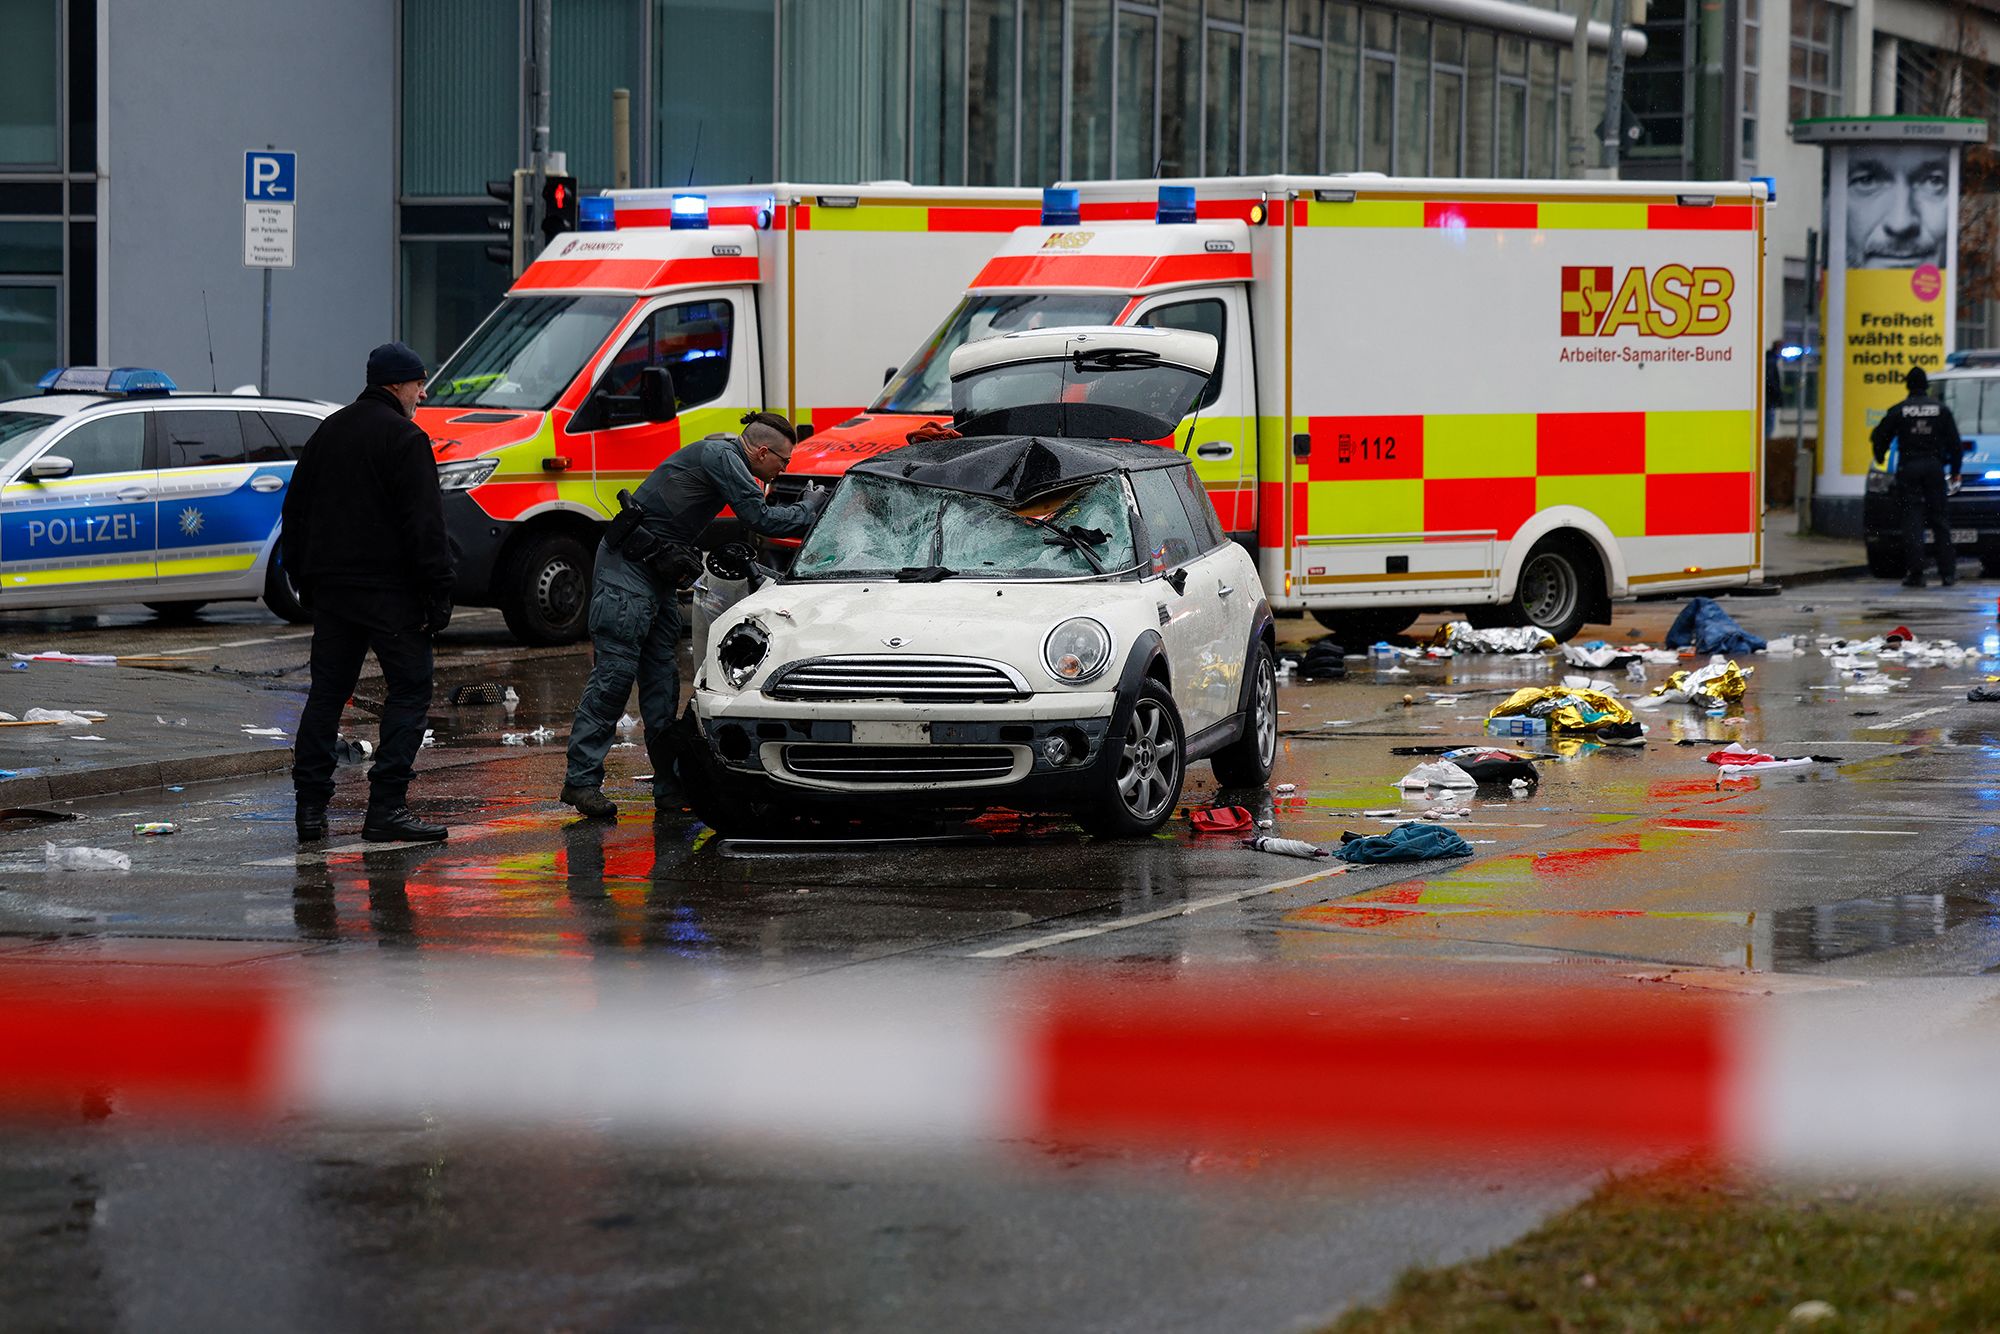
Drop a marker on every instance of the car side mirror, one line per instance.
(656, 394)
(1179, 580)
(49, 467)
(888, 375)
(805, 434)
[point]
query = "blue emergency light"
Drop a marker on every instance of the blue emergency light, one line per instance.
(1176, 203)
(1770, 187)
(127, 380)
(1061, 207)
(1791, 352)
(596, 213)
(689, 213)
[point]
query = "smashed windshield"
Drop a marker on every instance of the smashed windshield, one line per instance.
(877, 527)
(527, 352)
(924, 385)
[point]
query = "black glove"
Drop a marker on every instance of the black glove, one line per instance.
(816, 497)
(438, 616)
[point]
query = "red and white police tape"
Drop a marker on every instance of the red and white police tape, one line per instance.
(1402, 1075)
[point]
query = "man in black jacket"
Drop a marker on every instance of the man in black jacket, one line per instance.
(364, 540)
(1928, 450)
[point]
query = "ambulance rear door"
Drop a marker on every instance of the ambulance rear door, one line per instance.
(1221, 436)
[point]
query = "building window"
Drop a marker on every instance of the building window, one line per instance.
(1343, 88)
(1753, 27)
(1305, 59)
(1447, 100)
(1222, 97)
(1480, 92)
(29, 124)
(1136, 125)
(30, 334)
(461, 100)
(448, 286)
(1510, 112)
(1660, 92)
(1817, 50)
(1264, 88)
(1378, 91)
(695, 134)
(1413, 97)
(992, 34)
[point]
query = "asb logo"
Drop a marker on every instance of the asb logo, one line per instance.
(1671, 301)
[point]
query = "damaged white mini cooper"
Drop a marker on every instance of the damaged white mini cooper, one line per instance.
(1042, 614)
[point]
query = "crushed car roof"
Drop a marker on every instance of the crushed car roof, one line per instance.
(1016, 468)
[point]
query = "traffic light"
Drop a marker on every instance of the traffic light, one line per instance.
(558, 206)
(508, 220)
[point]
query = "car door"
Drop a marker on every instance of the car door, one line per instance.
(1190, 620)
(1220, 437)
(217, 508)
(695, 341)
(1230, 578)
(88, 535)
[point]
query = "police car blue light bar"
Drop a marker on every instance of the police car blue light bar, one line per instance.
(1061, 207)
(105, 380)
(1176, 203)
(690, 212)
(596, 213)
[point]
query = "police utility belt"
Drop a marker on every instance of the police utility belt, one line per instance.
(675, 564)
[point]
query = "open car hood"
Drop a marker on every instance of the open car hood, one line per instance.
(1013, 469)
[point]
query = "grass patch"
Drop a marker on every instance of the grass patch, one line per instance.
(1703, 1248)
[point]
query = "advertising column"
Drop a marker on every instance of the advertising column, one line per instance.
(1890, 218)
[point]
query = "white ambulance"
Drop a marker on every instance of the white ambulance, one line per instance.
(1518, 398)
(669, 316)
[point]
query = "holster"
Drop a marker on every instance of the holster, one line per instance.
(675, 564)
(627, 533)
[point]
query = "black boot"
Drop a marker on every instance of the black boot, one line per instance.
(311, 822)
(589, 801)
(1913, 581)
(400, 826)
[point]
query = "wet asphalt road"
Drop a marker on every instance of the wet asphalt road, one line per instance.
(1623, 865)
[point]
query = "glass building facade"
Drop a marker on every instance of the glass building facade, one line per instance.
(950, 92)
(48, 189)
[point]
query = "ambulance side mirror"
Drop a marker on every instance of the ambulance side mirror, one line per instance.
(656, 394)
(887, 376)
(49, 467)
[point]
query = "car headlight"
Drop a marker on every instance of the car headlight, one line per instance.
(1878, 481)
(465, 475)
(740, 651)
(1076, 651)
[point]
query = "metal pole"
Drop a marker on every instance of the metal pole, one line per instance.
(539, 126)
(621, 139)
(1802, 455)
(1614, 90)
(1579, 93)
(264, 360)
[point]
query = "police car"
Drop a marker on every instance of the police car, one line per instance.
(115, 487)
(1968, 384)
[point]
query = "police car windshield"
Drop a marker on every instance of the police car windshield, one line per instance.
(527, 352)
(880, 528)
(18, 433)
(924, 385)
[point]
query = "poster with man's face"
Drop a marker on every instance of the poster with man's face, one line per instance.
(1898, 204)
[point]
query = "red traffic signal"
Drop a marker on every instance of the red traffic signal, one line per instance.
(559, 208)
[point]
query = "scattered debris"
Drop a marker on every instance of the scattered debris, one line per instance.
(1709, 629)
(1439, 773)
(1460, 637)
(155, 827)
(1414, 842)
(170, 722)
(483, 694)
(1983, 695)
(352, 750)
(1323, 661)
(1491, 765)
(1286, 847)
(1220, 819)
(535, 738)
(1707, 687)
(1566, 710)
(248, 730)
(63, 717)
(78, 858)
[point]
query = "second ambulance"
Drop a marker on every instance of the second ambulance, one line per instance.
(1519, 398)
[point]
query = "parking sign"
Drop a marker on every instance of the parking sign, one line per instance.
(270, 177)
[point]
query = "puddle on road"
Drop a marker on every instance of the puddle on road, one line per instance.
(1821, 933)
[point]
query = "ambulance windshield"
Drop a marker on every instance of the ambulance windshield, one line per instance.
(924, 385)
(527, 352)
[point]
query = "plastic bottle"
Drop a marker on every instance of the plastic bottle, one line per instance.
(1289, 847)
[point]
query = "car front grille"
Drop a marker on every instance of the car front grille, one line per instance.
(915, 680)
(906, 766)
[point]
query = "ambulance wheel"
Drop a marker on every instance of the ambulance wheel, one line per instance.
(177, 613)
(545, 590)
(1356, 630)
(1885, 561)
(281, 597)
(1555, 587)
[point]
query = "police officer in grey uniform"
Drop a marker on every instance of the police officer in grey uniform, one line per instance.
(1928, 450)
(647, 556)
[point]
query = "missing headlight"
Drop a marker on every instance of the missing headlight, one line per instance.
(740, 651)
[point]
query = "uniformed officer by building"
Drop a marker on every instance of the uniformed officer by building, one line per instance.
(364, 540)
(646, 557)
(1928, 451)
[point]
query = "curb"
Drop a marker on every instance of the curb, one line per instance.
(1826, 576)
(112, 778)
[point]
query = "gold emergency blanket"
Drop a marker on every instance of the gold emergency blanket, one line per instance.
(1566, 710)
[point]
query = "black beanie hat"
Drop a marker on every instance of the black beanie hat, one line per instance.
(1916, 381)
(393, 363)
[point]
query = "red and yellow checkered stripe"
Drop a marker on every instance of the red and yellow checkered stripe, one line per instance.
(1645, 474)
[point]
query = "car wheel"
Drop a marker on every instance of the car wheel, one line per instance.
(1247, 761)
(545, 590)
(1359, 629)
(1885, 560)
(1554, 589)
(177, 613)
(282, 596)
(1143, 779)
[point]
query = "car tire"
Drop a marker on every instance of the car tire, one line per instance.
(1556, 588)
(1885, 560)
(1359, 629)
(281, 597)
(544, 590)
(1143, 768)
(1247, 761)
(176, 613)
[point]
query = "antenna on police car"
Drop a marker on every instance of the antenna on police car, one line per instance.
(213, 386)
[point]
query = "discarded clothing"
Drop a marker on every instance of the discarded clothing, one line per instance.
(1707, 687)
(1439, 773)
(1983, 695)
(1765, 765)
(1488, 765)
(1704, 624)
(1597, 655)
(1414, 842)
(1221, 820)
(1571, 711)
(1324, 661)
